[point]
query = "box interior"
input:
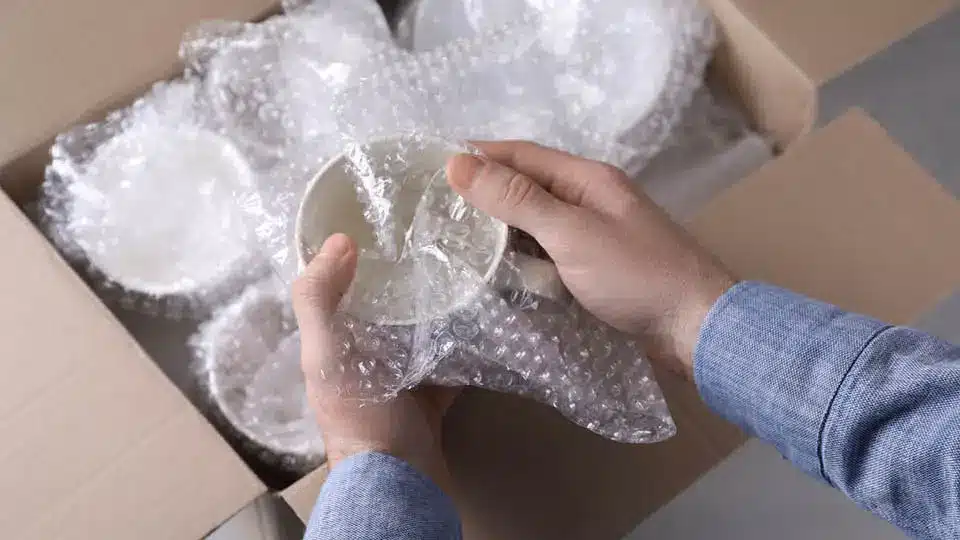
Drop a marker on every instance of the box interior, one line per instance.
(164, 340)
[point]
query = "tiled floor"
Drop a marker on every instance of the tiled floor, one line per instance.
(913, 89)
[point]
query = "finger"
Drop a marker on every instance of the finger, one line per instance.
(505, 194)
(318, 290)
(572, 179)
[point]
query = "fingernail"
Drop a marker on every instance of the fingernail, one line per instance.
(336, 246)
(462, 170)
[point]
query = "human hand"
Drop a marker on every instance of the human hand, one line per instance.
(616, 251)
(408, 426)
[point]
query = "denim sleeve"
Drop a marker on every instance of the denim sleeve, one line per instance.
(871, 409)
(376, 496)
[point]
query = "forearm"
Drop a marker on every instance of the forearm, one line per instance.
(374, 496)
(868, 408)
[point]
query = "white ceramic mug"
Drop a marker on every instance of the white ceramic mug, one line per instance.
(332, 203)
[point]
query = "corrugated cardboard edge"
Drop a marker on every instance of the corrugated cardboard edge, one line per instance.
(525, 472)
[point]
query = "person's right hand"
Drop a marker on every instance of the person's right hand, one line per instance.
(619, 254)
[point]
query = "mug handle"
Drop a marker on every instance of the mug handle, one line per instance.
(536, 275)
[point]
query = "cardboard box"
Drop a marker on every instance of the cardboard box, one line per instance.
(100, 444)
(67, 61)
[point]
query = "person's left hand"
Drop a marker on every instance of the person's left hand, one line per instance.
(408, 426)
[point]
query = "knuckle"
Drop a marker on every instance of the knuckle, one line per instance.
(626, 207)
(527, 145)
(611, 173)
(517, 191)
(521, 144)
(310, 286)
(300, 287)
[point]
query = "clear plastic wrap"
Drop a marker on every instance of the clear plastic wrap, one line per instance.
(278, 135)
(623, 69)
(443, 296)
(151, 198)
(270, 102)
(248, 361)
(270, 84)
(712, 148)
(148, 199)
(710, 124)
(455, 94)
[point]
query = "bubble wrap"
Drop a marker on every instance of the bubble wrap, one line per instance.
(147, 198)
(552, 74)
(710, 150)
(268, 103)
(710, 124)
(443, 296)
(517, 343)
(278, 135)
(620, 69)
(152, 197)
(248, 360)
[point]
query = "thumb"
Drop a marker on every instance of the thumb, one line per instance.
(318, 290)
(504, 193)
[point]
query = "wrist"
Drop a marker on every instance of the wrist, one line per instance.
(700, 305)
(428, 462)
(675, 341)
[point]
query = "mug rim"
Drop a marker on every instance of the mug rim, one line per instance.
(324, 170)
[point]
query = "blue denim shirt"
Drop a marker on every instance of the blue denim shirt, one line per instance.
(871, 409)
(375, 496)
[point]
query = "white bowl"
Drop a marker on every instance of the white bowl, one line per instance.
(155, 210)
(249, 359)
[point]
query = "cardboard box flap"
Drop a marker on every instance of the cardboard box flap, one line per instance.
(846, 216)
(827, 37)
(302, 496)
(774, 56)
(64, 60)
(97, 442)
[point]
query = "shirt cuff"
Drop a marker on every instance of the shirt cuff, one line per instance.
(772, 361)
(375, 495)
